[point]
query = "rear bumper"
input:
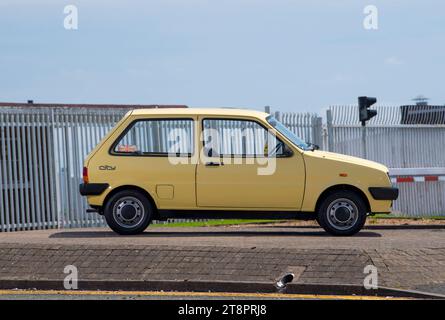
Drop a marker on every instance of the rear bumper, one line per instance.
(92, 189)
(384, 193)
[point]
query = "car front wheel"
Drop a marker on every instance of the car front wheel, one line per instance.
(128, 212)
(342, 213)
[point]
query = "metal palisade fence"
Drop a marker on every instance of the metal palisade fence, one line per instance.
(388, 141)
(42, 151)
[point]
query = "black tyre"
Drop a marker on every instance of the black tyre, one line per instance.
(342, 213)
(128, 212)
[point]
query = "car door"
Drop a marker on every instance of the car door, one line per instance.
(236, 170)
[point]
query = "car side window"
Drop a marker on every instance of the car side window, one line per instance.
(157, 137)
(239, 138)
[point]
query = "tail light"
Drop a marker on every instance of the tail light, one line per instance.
(85, 175)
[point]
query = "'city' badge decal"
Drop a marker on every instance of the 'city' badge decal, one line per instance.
(107, 167)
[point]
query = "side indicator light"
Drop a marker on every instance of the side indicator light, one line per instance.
(85, 175)
(343, 174)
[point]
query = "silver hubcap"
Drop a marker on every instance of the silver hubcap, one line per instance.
(128, 212)
(342, 214)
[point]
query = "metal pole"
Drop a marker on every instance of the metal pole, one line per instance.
(364, 140)
(330, 132)
(317, 131)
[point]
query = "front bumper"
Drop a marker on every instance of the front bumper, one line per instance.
(384, 193)
(92, 189)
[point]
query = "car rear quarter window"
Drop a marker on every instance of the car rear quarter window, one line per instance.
(156, 137)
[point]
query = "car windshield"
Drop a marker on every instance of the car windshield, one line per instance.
(287, 133)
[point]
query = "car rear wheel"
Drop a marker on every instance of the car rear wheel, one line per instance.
(128, 212)
(342, 213)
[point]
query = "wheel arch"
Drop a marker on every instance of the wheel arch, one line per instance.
(343, 187)
(135, 188)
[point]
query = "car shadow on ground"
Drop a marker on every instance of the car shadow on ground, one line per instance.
(173, 234)
(376, 227)
(407, 227)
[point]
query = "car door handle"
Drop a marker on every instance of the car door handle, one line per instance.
(214, 164)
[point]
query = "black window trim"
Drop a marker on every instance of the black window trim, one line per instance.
(151, 154)
(244, 156)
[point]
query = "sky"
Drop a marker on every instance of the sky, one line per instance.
(292, 55)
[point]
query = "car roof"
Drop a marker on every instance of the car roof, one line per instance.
(201, 111)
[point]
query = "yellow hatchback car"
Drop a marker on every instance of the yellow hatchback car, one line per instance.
(191, 163)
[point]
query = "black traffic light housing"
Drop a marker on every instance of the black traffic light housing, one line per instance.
(363, 108)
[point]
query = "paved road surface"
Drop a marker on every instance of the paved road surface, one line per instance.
(373, 237)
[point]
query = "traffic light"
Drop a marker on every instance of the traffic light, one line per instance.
(363, 108)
